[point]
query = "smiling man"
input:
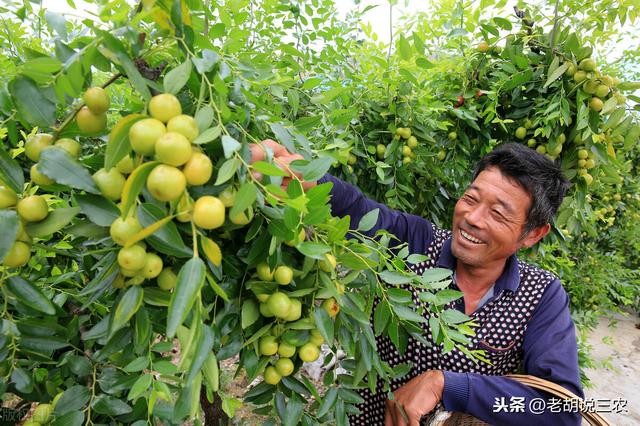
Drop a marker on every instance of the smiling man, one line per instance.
(522, 311)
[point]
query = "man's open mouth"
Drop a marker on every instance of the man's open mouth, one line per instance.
(470, 237)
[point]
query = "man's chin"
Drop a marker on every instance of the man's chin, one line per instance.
(463, 255)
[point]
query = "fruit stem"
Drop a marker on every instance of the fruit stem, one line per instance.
(195, 239)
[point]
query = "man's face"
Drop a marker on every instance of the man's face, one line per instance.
(489, 220)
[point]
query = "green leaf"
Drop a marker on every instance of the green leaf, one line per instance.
(207, 62)
(41, 69)
(10, 172)
(416, 258)
(64, 169)
(44, 345)
(80, 365)
(227, 170)
(211, 372)
(156, 297)
(98, 209)
(491, 29)
(216, 288)
(72, 399)
(399, 295)
(609, 105)
(127, 308)
(418, 43)
(393, 277)
(328, 401)
(147, 231)
(72, 418)
(268, 169)
(245, 198)
(294, 411)
(447, 295)
(312, 82)
(230, 145)
(22, 380)
(407, 314)
(30, 295)
(203, 349)
(57, 22)
(369, 220)
(167, 239)
(557, 73)
(140, 386)
(347, 395)
(313, 249)
(175, 79)
(55, 221)
(9, 225)
(32, 102)
(307, 123)
(204, 117)
(404, 48)
(424, 63)
(503, 23)
(118, 145)
(628, 85)
(324, 323)
(381, 317)
(249, 314)
(134, 184)
(190, 280)
(209, 135)
(435, 275)
(453, 316)
(106, 404)
(314, 169)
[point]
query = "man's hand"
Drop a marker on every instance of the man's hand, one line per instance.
(418, 397)
(281, 157)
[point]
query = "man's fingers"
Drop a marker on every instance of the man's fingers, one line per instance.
(259, 150)
(389, 419)
(278, 150)
(257, 153)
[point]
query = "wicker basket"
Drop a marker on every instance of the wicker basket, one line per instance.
(444, 418)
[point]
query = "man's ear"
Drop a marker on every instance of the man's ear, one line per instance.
(536, 235)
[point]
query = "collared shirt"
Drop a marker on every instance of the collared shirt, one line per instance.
(488, 295)
(549, 348)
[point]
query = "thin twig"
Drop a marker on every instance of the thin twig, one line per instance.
(555, 25)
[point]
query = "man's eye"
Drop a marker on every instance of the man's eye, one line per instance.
(497, 214)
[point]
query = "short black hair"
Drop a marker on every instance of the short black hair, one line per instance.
(541, 177)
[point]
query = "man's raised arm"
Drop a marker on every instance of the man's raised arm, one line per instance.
(348, 200)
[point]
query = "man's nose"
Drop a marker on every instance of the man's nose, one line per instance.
(476, 216)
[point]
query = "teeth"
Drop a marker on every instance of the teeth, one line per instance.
(470, 238)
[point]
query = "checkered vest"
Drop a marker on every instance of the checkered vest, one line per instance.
(502, 326)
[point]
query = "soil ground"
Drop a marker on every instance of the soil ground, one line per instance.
(616, 350)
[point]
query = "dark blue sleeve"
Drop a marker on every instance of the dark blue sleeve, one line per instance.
(550, 352)
(347, 200)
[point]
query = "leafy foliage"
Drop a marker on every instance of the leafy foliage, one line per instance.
(74, 328)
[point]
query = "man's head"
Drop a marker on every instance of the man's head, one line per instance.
(513, 197)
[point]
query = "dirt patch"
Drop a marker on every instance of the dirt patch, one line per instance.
(616, 348)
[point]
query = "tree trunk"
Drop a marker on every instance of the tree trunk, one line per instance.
(213, 413)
